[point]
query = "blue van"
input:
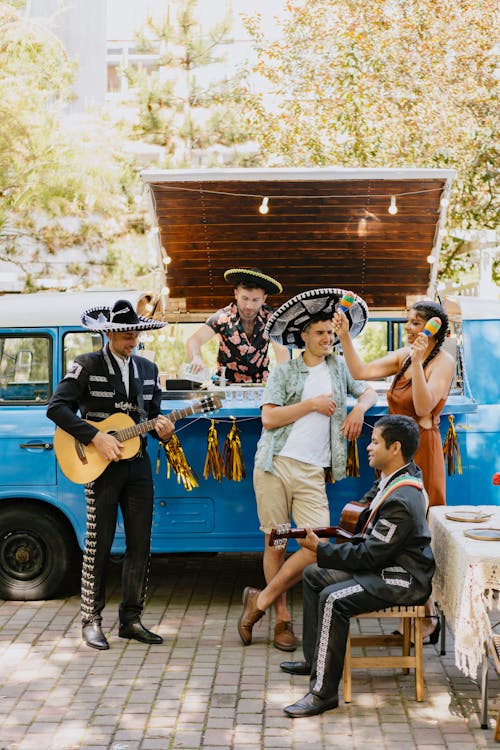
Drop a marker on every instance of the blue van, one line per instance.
(42, 513)
(323, 227)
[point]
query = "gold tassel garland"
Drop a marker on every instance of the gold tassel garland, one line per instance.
(451, 449)
(176, 460)
(213, 464)
(352, 465)
(233, 466)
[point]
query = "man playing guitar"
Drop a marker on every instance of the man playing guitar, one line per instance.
(388, 562)
(99, 384)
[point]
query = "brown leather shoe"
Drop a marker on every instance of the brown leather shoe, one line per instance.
(284, 637)
(250, 615)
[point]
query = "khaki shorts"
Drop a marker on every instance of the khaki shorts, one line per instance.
(294, 489)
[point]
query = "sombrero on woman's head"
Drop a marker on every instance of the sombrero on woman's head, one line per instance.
(287, 322)
(253, 278)
(120, 318)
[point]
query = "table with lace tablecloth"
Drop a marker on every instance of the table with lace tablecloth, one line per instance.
(467, 580)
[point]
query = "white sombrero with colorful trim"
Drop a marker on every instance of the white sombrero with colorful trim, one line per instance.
(255, 277)
(120, 318)
(287, 322)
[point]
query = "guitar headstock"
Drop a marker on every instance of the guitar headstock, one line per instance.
(206, 404)
(279, 536)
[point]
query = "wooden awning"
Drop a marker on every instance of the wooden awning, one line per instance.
(324, 227)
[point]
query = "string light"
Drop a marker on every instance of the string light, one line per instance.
(160, 187)
(393, 209)
(431, 260)
(166, 260)
(264, 206)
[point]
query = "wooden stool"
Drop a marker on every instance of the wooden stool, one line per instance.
(413, 620)
(495, 652)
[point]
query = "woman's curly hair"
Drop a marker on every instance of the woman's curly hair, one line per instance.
(427, 309)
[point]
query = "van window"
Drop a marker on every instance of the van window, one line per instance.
(24, 369)
(79, 342)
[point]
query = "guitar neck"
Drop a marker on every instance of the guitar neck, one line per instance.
(322, 531)
(142, 427)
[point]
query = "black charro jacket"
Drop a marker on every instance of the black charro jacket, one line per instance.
(94, 387)
(392, 559)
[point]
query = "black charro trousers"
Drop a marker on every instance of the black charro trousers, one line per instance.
(127, 485)
(330, 599)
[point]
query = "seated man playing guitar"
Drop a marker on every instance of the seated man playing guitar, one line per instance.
(388, 562)
(99, 384)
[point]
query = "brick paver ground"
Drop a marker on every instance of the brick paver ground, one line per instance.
(201, 688)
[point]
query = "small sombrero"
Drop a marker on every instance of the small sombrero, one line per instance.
(286, 323)
(120, 318)
(255, 277)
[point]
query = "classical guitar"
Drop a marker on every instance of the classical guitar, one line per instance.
(345, 530)
(83, 463)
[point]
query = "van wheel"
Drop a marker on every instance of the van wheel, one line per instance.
(39, 556)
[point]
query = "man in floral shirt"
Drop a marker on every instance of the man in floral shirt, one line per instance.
(243, 345)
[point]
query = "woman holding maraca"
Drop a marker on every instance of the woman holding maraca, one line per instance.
(423, 374)
(423, 377)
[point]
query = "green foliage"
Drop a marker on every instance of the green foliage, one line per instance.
(372, 342)
(193, 117)
(393, 84)
(61, 188)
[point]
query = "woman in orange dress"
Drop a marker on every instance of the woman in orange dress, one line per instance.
(423, 376)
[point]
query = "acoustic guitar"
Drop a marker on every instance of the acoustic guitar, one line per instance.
(345, 530)
(83, 463)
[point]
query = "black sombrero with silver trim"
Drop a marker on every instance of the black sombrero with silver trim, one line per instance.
(253, 277)
(121, 317)
(286, 323)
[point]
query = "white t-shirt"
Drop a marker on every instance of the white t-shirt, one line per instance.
(309, 438)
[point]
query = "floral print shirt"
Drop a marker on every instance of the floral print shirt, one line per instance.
(246, 359)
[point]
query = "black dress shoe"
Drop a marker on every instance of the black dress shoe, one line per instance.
(94, 637)
(295, 667)
(433, 637)
(311, 705)
(138, 632)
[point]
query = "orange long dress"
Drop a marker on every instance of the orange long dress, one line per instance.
(429, 456)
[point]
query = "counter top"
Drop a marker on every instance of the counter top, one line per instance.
(244, 401)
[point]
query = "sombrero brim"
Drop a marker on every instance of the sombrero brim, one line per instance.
(98, 319)
(286, 323)
(237, 276)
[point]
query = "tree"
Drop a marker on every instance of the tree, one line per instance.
(65, 191)
(179, 105)
(388, 83)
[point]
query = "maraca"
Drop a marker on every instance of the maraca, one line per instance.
(348, 299)
(432, 326)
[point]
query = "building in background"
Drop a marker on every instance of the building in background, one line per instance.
(81, 25)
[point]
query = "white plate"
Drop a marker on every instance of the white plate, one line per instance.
(485, 535)
(469, 516)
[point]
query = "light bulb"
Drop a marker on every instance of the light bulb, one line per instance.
(431, 259)
(393, 209)
(264, 206)
(166, 260)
